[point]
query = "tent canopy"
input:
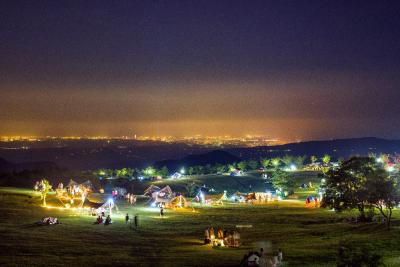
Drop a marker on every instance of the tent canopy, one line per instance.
(87, 184)
(72, 183)
(151, 189)
(91, 204)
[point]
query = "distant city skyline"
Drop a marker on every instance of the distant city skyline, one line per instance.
(293, 70)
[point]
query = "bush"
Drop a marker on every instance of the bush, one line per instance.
(351, 254)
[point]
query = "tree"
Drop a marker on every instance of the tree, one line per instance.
(45, 188)
(299, 161)
(287, 160)
(232, 167)
(149, 171)
(383, 193)
(199, 169)
(326, 159)
(242, 165)
(282, 181)
(313, 159)
(253, 164)
(265, 162)
(121, 172)
(191, 189)
(191, 170)
(346, 187)
(163, 171)
(276, 162)
(221, 168)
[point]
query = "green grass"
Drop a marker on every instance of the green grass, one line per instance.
(308, 237)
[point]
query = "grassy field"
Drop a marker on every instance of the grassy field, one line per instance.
(308, 237)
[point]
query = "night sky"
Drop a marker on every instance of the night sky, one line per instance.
(284, 69)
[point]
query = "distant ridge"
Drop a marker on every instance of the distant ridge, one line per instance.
(8, 167)
(212, 157)
(336, 148)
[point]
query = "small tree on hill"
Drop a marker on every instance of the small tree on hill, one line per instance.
(313, 159)
(45, 188)
(265, 162)
(191, 171)
(299, 161)
(253, 164)
(163, 172)
(242, 165)
(276, 162)
(326, 159)
(282, 181)
(287, 160)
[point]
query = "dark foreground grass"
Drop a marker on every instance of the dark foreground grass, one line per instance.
(308, 237)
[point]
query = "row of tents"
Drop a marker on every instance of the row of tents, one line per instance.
(166, 197)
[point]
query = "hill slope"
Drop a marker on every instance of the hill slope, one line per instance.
(213, 157)
(336, 148)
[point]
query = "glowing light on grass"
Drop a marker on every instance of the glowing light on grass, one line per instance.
(390, 169)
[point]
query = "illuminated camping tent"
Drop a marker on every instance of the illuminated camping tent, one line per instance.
(163, 196)
(178, 202)
(150, 190)
(259, 197)
(87, 186)
(108, 206)
(238, 197)
(176, 175)
(216, 199)
(73, 187)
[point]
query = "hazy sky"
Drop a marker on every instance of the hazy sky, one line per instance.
(284, 69)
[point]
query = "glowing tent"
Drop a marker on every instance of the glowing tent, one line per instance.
(88, 186)
(178, 202)
(163, 196)
(150, 190)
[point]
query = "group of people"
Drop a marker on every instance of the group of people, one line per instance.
(262, 259)
(131, 198)
(135, 221)
(48, 221)
(312, 201)
(106, 221)
(221, 237)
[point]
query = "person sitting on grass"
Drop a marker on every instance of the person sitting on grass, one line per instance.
(108, 220)
(99, 220)
(206, 236)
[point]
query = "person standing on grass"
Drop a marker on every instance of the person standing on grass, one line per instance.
(280, 255)
(126, 218)
(161, 211)
(136, 219)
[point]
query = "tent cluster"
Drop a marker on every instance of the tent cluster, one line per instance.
(215, 199)
(74, 189)
(253, 198)
(74, 192)
(165, 197)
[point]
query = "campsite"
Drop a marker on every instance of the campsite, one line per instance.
(308, 236)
